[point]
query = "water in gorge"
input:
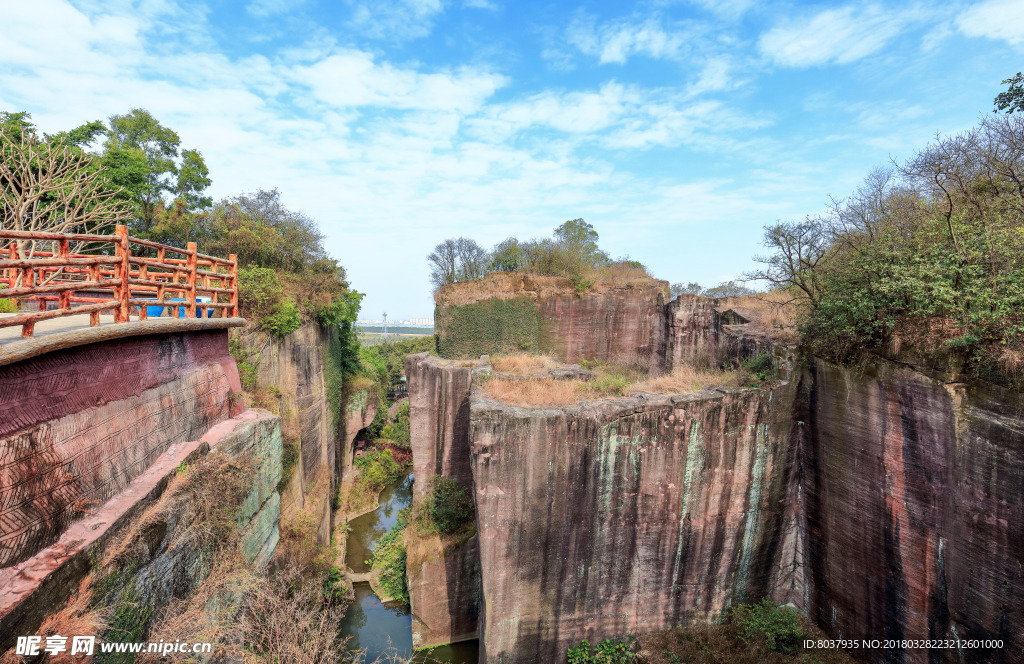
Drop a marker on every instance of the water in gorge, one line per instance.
(372, 625)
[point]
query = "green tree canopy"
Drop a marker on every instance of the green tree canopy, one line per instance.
(1013, 98)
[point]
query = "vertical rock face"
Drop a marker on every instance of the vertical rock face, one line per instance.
(296, 367)
(78, 425)
(438, 419)
(625, 516)
(444, 582)
(614, 325)
(512, 312)
(360, 409)
(915, 510)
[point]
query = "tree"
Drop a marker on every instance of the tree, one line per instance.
(580, 239)
(692, 288)
(1013, 99)
(472, 259)
(52, 185)
(728, 289)
(798, 250)
(507, 256)
(138, 142)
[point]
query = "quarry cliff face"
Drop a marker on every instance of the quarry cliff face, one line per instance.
(79, 424)
(627, 515)
(444, 582)
(885, 501)
(514, 312)
(298, 377)
(914, 493)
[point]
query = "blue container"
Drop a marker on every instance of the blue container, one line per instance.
(157, 311)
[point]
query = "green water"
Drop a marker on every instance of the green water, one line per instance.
(370, 625)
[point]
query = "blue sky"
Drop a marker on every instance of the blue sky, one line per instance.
(678, 129)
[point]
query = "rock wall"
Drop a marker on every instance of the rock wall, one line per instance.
(78, 425)
(150, 525)
(513, 312)
(296, 377)
(444, 581)
(628, 516)
(914, 492)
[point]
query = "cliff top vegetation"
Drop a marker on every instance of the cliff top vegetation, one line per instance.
(927, 256)
(527, 383)
(571, 257)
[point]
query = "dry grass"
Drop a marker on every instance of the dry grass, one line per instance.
(522, 364)
(536, 393)
(688, 380)
(618, 275)
(216, 620)
(774, 313)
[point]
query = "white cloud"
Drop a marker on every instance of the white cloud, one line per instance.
(264, 8)
(835, 35)
(395, 19)
(994, 19)
(617, 41)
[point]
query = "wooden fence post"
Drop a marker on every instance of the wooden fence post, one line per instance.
(233, 271)
(64, 301)
(190, 309)
(123, 253)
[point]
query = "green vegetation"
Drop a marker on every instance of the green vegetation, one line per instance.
(724, 289)
(248, 366)
(760, 366)
(609, 651)
(572, 252)
(1013, 98)
(489, 326)
(927, 256)
(447, 509)
(378, 469)
(389, 560)
(289, 460)
(398, 431)
(334, 586)
(776, 626)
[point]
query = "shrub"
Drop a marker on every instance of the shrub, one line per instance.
(258, 290)
(378, 469)
(760, 366)
(285, 318)
(289, 459)
(389, 559)
(8, 306)
(776, 625)
(609, 651)
(450, 506)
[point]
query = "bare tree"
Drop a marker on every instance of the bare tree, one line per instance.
(443, 264)
(472, 259)
(53, 187)
(799, 248)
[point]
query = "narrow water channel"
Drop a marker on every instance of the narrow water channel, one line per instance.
(371, 625)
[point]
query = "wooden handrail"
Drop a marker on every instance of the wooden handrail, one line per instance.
(118, 280)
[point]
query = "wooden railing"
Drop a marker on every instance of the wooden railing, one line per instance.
(112, 279)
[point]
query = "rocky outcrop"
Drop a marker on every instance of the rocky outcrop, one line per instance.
(914, 495)
(360, 409)
(444, 581)
(627, 516)
(513, 312)
(298, 378)
(150, 525)
(79, 424)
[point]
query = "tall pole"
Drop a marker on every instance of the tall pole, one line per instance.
(385, 334)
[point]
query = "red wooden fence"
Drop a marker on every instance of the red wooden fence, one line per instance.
(113, 280)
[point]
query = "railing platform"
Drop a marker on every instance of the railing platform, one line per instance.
(60, 333)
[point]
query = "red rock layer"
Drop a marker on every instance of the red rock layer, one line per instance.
(914, 494)
(625, 516)
(444, 585)
(618, 324)
(94, 417)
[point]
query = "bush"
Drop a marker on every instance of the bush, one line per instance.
(760, 366)
(389, 559)
(450, 506)
(8, 306)
(776, 625)
(378, 469)
(285, 318)
(609, 651)
(258, 291)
